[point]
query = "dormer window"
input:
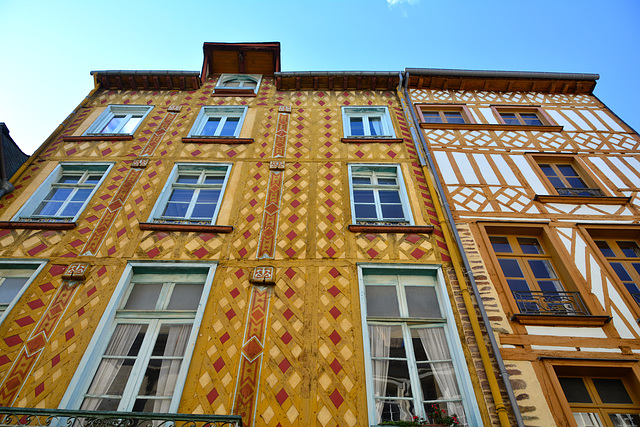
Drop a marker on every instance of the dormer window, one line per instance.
(238, 84)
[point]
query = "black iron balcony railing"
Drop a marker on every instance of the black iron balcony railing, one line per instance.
(590, 192)
(67, 418)
(636, 298)
(551, 303)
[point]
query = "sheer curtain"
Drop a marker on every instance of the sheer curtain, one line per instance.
(175, 347)
(375, 125)
(434, 342)
(380, 340)
(121, 341)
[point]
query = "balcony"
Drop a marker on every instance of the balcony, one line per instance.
(55, 417)
(560, 308)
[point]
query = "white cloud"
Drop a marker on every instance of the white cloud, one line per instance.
(397, 2)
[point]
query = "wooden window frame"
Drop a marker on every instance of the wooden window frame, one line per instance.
(626, 369)
(544, 118)
(591, 233)
(535, 159)
(565, 269)
(441, 108)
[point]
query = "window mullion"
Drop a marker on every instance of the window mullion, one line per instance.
(192, 203)
(124, 122)
(223, 120)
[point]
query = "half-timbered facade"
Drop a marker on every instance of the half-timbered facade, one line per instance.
(542, 181)
(236, 241)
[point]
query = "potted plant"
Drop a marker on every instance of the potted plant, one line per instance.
(435, 417)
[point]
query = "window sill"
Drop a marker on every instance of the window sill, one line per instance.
(486, 126)
(158, 226)
(364, 228)
(105, 137)
(579, 200)
(38, 225)
(371, 139)
(560, 320)
(216, 140)
(233, 92)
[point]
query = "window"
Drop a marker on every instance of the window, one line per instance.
(238, 83)
(412, 362)
(532, 276)
(193, 195)
(602, 399)
(567, 178)
(218, 122)
(624, 257)
(523, 116)
(119, 119)
(452, 114)
(14, 279)
(367, 122)
(378, 196)
(139, 356)
(65, 193)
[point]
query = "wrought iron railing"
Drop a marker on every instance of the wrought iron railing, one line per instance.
(636, 298)
(559, 302)
(68, 418)
(589, 192)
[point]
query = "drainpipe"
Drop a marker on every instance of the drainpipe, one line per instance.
(458, 254)
(61, 126)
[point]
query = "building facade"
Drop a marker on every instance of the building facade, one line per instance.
(240, 241)
(542, 181)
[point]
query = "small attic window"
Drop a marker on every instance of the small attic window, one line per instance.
(238, 84)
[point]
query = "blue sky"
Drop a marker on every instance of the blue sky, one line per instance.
(48, 48)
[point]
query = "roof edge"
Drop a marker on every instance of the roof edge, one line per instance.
(501, 74)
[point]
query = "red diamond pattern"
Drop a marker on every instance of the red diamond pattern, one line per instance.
(284, 365)
(336, 366)
(282, 396)
(335, 337)
(336, 398)
(212, 395)
(418, 253)
(218, 364)
(335, 312)
(334, 291)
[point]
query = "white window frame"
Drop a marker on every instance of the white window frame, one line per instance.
(215, 111)
(85, 372)
(111, 111)
(365, 113)
(404, 198)
(26, 212)
(31, 264)
(161, 203)
(254, 78)
(463, 376)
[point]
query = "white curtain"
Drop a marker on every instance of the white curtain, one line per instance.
(434, 342)
(380, 342)
(175, 347)
(121, 341)
(375, 125)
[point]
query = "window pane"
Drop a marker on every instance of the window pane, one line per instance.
(48, 208)
(203, 211)
(71, 209)
(181, 195)
(208, 196)
(60, 193)
(211, 126)
(392, 212)
(361, 180)
(97, 404)
(625, 420)
(382, 301)
(363, 196)
(605, 248)
(214, 179)
(375, 126)
(187, 179)
(387, 181)
(131, 124)
(365, 212)
(395, 410)
(389, 196)
(10, 287)
(510, 267)
(398, 383)
(530, 245)
(357, 126)
(587, 419)
(542, 269)
(518, 285)
(575, 390)
(143, 296)
(113, 124)
(576, 183)
(431, 117)
(630, 249)
(185, 297)
(530, 119)
(230, 125)
(500, 244)
(453, 117)
(70, 179)
(81, 195)
(178, 210)
(422, 301)
(612, 390)
(510, 118)
(621, 271)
